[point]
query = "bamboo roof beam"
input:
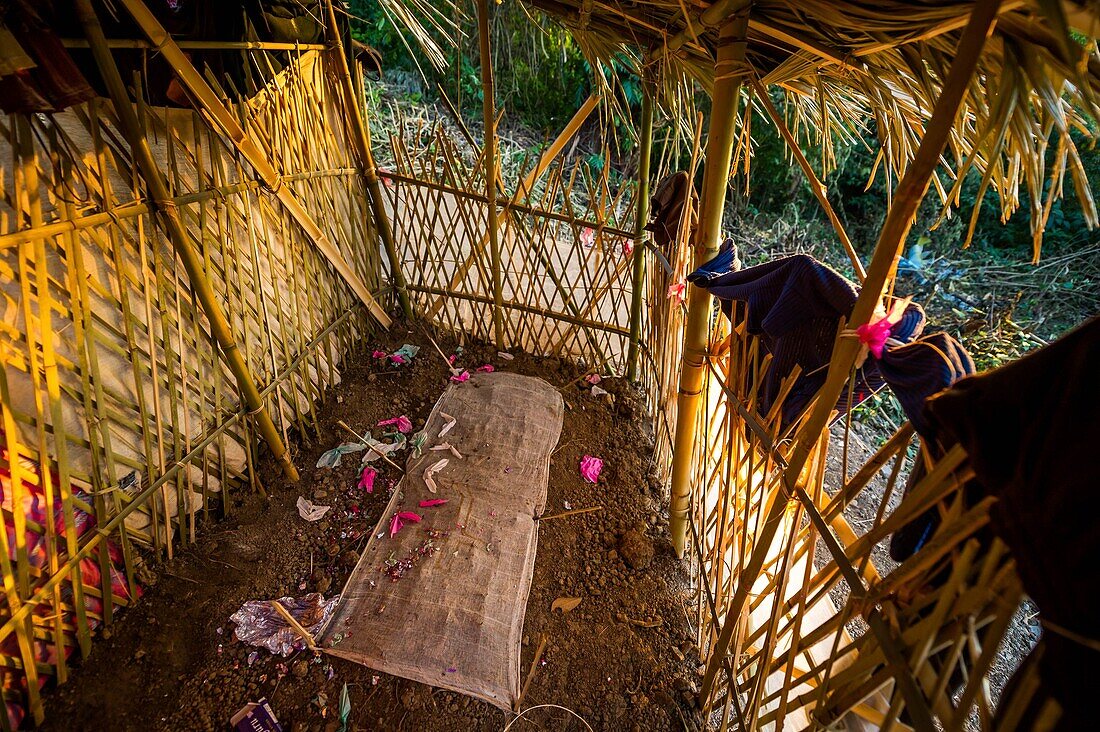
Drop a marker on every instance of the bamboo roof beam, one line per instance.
(203, 45)
(212, 107)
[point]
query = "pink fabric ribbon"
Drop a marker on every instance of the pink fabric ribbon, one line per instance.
(874, 335)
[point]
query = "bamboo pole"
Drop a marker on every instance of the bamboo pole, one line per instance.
(727, 88)
(645, 156)
(488, 109)
(360, 137)
(899, 219)
(170, 220)
(211, 106)
(816, 186)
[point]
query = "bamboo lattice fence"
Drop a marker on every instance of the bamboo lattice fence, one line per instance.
(121, 424)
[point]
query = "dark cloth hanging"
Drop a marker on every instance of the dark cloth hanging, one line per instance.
(668, 206)
(1030, 429)
(54, 82)
(795, 306)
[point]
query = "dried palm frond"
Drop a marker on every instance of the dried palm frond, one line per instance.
(873, 69)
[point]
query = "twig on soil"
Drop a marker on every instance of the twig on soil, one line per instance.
(294, 624)
(574, 512)
(180, 576)
(370, 447)
(531, 672)
(447, 361)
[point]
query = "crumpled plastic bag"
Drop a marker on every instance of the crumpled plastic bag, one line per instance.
(331, 458)
(259, 624)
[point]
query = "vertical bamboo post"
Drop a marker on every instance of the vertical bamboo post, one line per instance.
(360, 135)
(168, 216)
(727, 88)
(910, 192)
(645, 156)
(488, 109)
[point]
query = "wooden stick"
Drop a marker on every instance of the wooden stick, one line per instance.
(294, 624)
(360, 136)
(369, 446)
(816, 186)
(531, 671)
(208, 101)
(641, 217)
(488, 108)
(574, 512)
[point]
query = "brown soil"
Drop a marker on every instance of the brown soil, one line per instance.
(173, 661)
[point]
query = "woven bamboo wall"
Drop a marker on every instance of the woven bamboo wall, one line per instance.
(829, 629)
(117, 411)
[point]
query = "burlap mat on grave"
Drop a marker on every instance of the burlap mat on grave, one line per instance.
(455, 619)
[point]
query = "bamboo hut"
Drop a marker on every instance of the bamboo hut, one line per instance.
(196, 236)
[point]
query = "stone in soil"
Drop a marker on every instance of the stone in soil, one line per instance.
(636, 549)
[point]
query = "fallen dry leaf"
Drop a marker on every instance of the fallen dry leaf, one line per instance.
(565, 604)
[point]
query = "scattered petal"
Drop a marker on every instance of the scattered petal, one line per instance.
(400, 519)
(565, 604)
(598, 392)
(450, 423)
(464, 376)
(588, 237)
(378, 354)
(628, 247)
(593, 378)
(448, 446)
(676, 292)
(591, 467)
(487, 368)
(429, 474)
(452, 670)
(366, 480)
(452, 358)
(567, 505)
(309, 511)
(398, 359)
(403, 424)
(409, 516)
(432, 502)
(505, 355)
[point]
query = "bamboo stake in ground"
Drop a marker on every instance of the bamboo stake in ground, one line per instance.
(360, 136)
(645, 150)
(169, 218)
(488, 108)
(899, 220)
(727, 87)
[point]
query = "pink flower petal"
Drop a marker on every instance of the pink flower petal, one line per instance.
(409, 516)
(590, 468)
(588, 237)
(366, 480)
(397, 358)
(451, 359)
(628, 247)
(403, 424)
(433, 502)
(593, 378)
(487, 368)
(464, 376)
(676, 292)
(378, 354)
(395, 525)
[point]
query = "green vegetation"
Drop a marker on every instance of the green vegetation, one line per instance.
(989, 293)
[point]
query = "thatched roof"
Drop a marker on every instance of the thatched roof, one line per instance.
(873, 69)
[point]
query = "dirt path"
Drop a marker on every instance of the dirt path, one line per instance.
(173, 662)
